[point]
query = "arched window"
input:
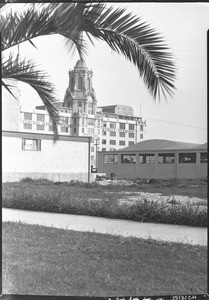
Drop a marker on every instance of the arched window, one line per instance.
(72, 83)
(80, 83)
(88, 83)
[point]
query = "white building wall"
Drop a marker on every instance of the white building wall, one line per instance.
(64, 160)
(10, 106)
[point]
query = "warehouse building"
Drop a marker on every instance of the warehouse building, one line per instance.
(155, 158)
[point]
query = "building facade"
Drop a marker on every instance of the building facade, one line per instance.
(159, 159)
(36, 155)
(110, 127)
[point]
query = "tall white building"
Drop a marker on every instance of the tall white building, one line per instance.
(111, 127)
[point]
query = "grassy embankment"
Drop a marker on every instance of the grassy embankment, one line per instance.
(104, 201)
(48, 261)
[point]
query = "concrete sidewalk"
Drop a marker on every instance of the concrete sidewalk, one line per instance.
(164, 232)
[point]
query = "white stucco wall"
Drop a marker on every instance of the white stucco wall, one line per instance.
(61, 161)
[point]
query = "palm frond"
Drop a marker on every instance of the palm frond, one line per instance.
(139, 43)
(7, 87)
(27, 72)
(54, 18)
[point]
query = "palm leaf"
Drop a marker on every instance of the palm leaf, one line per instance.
(139, 43)
(55, 18)
(27, 72)
(7, 87)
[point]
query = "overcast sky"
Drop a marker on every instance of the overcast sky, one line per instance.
(115, 81)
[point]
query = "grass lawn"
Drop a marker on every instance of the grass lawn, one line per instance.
(104, 201)
(48, 261)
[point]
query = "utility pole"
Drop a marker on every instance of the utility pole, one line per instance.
(97, 139)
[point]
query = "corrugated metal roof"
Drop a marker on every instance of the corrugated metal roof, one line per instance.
(155, 144)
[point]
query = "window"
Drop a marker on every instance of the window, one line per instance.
(103, 149)
(79, 104)
(113, 125)
(131, 126)
(130, 143)
(112, 142)
(141, 127)
(204, 157)
(39, 127)
(104, 124)
(112, 133)
(141, 136)
(131, 134)
(90, 108)
(27, 126)
(104, 142)
(63, 120)
(50, 128)
(112, 149)
(72, 83)
(90, 131)
(104, 132)
(74, 121)
(64, 129)
(90, 121)
(187, 158)
(122, 143)
(88, 83)
(80, 83)
(146, 158)
(27, 116)
(75, 130)
(110, 158)
(128, 158)
(166, 158)
(40, 117)
(122, 134)
(92, 149)
(122, 126)
(82, 130)
(31, 145)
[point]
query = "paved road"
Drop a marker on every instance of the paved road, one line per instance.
(176, 233)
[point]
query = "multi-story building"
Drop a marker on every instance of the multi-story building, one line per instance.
(111, 127)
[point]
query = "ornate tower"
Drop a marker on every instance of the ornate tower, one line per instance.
(80, 95)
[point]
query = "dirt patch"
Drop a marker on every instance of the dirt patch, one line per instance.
(129, 198)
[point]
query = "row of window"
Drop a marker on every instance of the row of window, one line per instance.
(122, 126)
(163, 158)
(50, 128)
(121, 134)
(113, 142)
(41, 118)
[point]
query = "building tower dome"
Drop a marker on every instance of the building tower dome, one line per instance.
(80, 95)
(80, 64)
